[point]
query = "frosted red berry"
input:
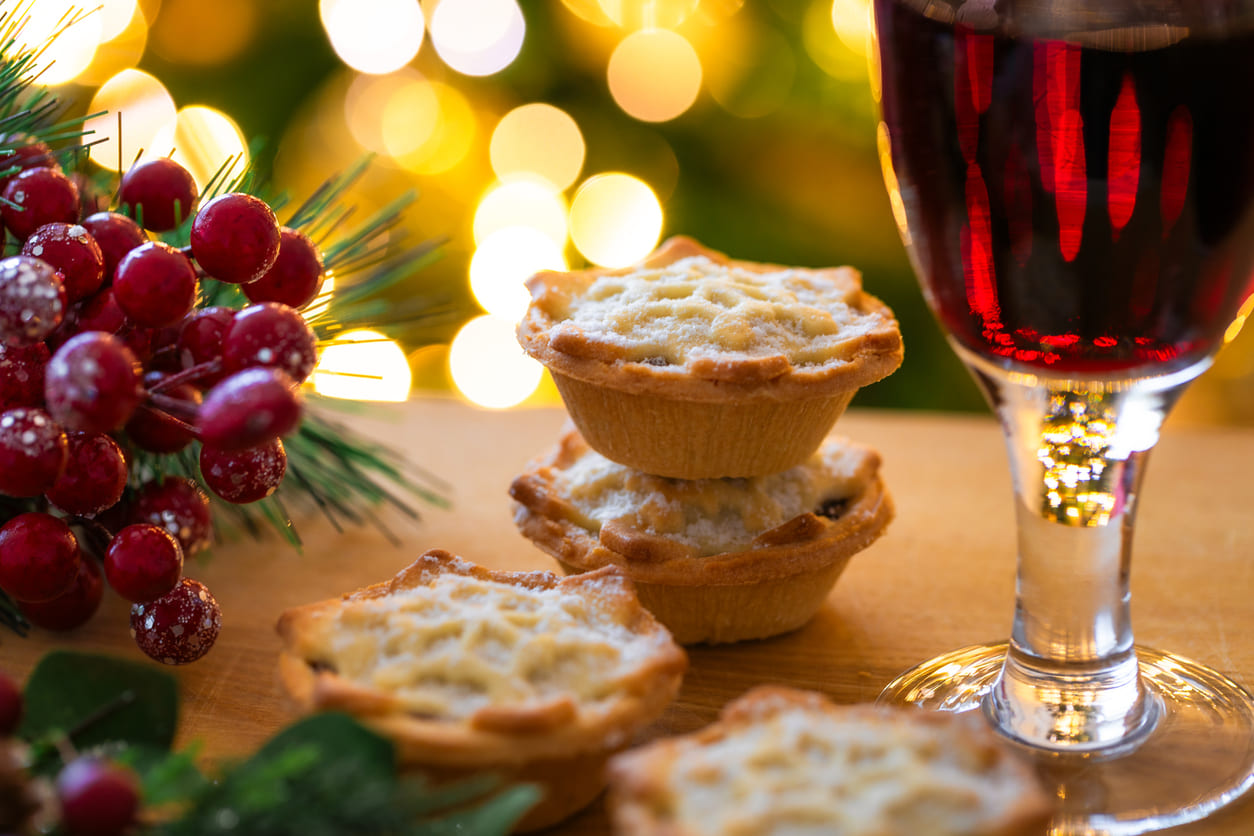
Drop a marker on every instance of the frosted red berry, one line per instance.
(179, 627)
(97, 798)
(36, 197)
(98, 313)
(72, 608)
(249, 407)
(235, 238)
(155, 285)
(38, 557)
(92, 383)
(72, 252)
(143, 562)
(243, 476)
(180, 507)
(22, 374)
(94, 476)
(159, 194)
(10, 705)
(296, 276)
(270, 334)
(32, 300)
(116, 235)
(33, 451)
(25, 152)
(200, 340)
(152, 428)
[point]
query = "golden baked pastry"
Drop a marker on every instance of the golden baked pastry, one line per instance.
(783, 761)
(693, 365)
(468, 670)
(716, 560)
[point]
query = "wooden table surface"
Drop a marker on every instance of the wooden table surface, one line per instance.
(942, 576)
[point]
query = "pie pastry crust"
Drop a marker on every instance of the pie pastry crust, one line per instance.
(467, 669)
(694, 365)
(780, 760)
(773, 583)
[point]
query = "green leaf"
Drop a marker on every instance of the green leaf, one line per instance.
(166, 777)
(97, 700)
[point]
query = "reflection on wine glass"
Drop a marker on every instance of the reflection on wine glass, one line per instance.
(1075, 184)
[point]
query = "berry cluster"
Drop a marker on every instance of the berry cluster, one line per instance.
(104, 353)
(93, 796)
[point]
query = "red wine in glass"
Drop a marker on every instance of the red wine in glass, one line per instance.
(1074, 206)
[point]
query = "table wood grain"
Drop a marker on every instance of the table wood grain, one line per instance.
(941, 578)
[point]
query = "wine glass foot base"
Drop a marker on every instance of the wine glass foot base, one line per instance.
(1199, 758)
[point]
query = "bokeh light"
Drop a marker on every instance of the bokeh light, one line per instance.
(522, 201)
(538, 139)
(116, 16)
(363, 365)
(842, 54)
(751, 73)
(654, 75)
(67, 49)
(852, 22)
(444, 118)
(615, 219)
(368, 98)
(504, 261)
(203, 140)
(373, 36)
(193, 32)
(121, 51)
(489, 367)
(644, 14)
(478, 37)
(145, 108)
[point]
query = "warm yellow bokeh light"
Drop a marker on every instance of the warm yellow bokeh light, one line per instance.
(369, 96)
(67, 50)
(478, 37)
(852, 21)
(373, 36)
(203, 140)
(193, 32)
(615, 219)
(504, 261)
(646, 14)
(115, 16)
(538, 139)
(751, 73)
(489, 367)
(410, 118)
(449, 139)
(363, 366)
(654, 75)
(522, 201)
(122, 51)
(144, 106)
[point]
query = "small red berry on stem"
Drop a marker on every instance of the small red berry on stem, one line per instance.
(154, 429)
(270, 334)
(248, 408)
(180, 507)
(33, 451)
(22, 374)
(243, 476)
(72, 608)
(235, 238)
(296, 276)
(36, 197)
(200, 341)
(97, 798)
(155, 285)
(98, 313)
(160, 194)
(25, 152)
(117, 235)
(92, 383)
(179, 627)
(143, 562)
(32, 300)
(72, 252)
(94, 476)
(38, 557)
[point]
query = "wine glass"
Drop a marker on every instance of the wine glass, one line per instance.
(1074, 181)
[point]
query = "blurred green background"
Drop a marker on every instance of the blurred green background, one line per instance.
(772, 158)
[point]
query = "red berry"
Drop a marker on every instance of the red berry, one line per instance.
(143, 562)
(72, 608)
(243, 476)
(94, 476)
(97, 798)
(117, 235)
(247, 408)
(10, 705)
(98, 313)
(155, 285)
(160, 194)
(296, 276)
(92, 383)
(179, 627)
(235, 238)
(200, 340)
(270, 334)
(33, 451)
(38, 557)
(153, 429)
(180, 507)
(36, 197)
(32, 300)
(22, 374)
(25, 152)
(71, 250)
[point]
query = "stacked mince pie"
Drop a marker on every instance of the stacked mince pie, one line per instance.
(702, 391)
